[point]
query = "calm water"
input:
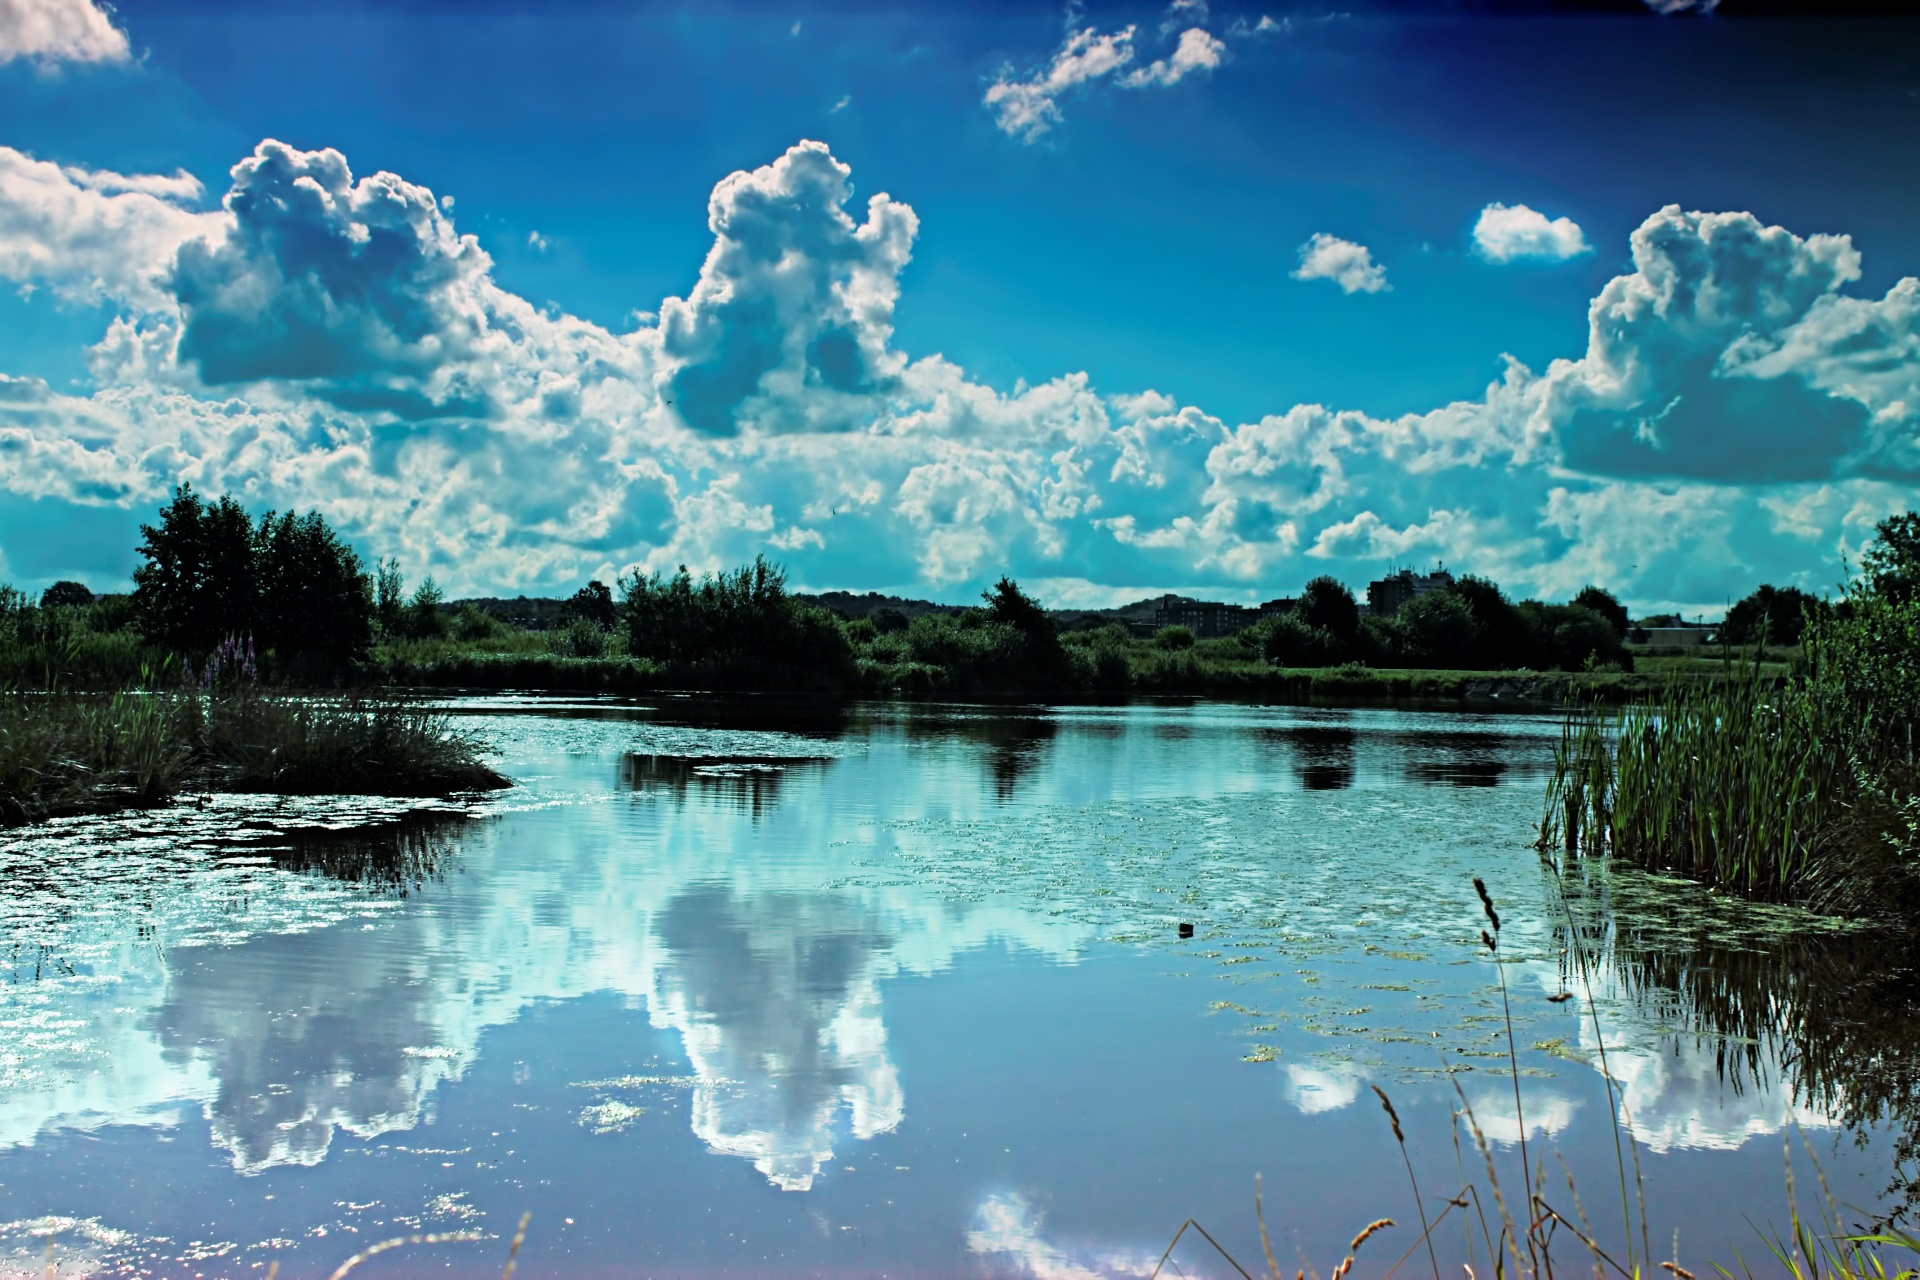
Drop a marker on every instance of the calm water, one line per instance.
(725, 989)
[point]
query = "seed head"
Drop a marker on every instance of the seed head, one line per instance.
(1486, 903)
(1393, 1117)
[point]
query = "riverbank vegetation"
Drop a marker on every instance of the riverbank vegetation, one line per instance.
(67, 752)
(1801, 790)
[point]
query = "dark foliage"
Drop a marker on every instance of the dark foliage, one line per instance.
(1608, 606)
(196, 584)
(1771, 615)
(313, 599)
(1325, 603)
(208, 573)
(592, 603)
(1891, 566)
(66, 595)
(735, 628)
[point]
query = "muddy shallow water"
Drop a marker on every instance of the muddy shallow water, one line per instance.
(749, 988)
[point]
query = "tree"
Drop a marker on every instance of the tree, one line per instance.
(1891, 565)
(196, 586)
(1327, 604)
(593, 603)
(313, 595)
(1440, 630)
(65, 595)
(1009, 605)
(390, 597)
(1773, 615)
(1607, 605)
(290, 584)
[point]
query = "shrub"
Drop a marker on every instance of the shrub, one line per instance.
(735, 628)
(1174, 637)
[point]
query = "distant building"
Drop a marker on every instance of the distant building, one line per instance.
(1680, 636)
(1387, 595)
(1207, 619)
(1277, 608)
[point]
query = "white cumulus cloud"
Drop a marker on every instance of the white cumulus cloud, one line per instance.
(53, 31)
(1506, 232)
(1349, 265)
(333, 341)
(1196, 51)
(1026, 109)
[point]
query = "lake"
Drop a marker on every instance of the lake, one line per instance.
(750, 987)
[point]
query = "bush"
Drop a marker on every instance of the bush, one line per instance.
(735, 628)
(580, 638)
(1293, 642)
(1174, 637)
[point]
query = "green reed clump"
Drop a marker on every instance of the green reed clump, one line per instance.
(64, 752)
(1800, 789)
(355, 745)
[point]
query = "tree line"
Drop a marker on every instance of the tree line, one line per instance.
(288, 588)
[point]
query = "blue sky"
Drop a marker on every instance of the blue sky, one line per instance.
(1238, 296)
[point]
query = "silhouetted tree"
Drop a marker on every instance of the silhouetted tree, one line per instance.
(291, 584)
(594, 603)
(196, 585)
(1608, 606)
(1327, 604)
(65, 595)
(1775, 615)
(313, 597)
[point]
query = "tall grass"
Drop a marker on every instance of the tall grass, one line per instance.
(66, 753)
(341, 746)
(1798, 790)
(1527, 1232)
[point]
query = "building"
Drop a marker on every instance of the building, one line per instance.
(1678, 636)
(1207, 619)
(1386, 596)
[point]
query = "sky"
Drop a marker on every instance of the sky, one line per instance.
(1116, 299)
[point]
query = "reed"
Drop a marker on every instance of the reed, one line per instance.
(353, 745)
(1798, 790)
(67, 752)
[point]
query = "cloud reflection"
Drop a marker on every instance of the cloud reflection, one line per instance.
(777, 999)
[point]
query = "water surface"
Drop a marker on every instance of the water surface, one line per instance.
(753, 988)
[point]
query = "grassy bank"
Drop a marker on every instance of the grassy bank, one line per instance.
(1799, 789)
(67, 752)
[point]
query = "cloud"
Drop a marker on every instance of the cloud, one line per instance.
(1349, 265)
(1197, 51)
(93, 237)
(333, 341)
(537, 242)
(793, 311)
(1025, 109)
(54, 31)
(1028, 109)
(1506, 232)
